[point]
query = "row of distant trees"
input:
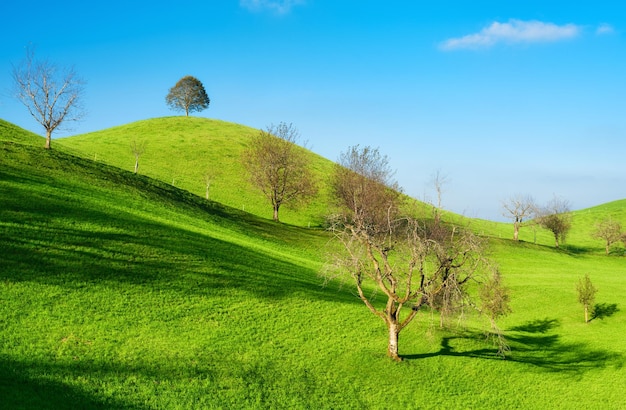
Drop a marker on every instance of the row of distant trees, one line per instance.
(555, 216)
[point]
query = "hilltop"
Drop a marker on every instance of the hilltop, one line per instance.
(181, 150)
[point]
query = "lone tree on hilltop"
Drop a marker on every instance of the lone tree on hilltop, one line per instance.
(556, 218)
(586, 295)
(279, 167)
(609, 231)
(411, 263)
(518, 208)
(188, 95)
(51, 95)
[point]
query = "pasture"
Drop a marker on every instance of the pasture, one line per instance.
(127, 291)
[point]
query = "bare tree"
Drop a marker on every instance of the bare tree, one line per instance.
(52, 96)
(438, 181)
(279, 167)
(208, 177)
(586, 295)
(556, 218)
(413, 263)
(138, 149)
(609, 231)
(518, 208)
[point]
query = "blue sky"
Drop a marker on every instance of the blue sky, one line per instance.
(502, 98)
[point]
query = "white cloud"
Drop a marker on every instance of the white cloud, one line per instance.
(514, 31)
(276, 6)
(605, 29)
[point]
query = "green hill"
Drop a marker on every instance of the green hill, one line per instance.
(181, 150)
(124, 291)
(13, 133)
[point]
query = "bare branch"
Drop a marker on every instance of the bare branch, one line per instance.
(52, 97)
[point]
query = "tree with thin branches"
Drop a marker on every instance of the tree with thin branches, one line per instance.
(412, 263)
(555, 217)
(279, 167)
(138, 148)
(51, 95)
(609, 231)
(518, 208)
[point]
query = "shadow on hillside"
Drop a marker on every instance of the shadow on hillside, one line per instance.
(533, 344)
(22, 386)
(50, 236)
(604, 310)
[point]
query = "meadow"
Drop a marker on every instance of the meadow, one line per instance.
(127, 291)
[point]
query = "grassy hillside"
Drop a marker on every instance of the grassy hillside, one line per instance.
(122, 291)
(12, 133)
(181, 150)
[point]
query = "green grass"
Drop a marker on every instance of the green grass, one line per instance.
(181, 150)
(122, 291)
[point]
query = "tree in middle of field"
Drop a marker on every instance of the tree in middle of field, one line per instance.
(556, 218)
(279, 167)
(586, 295)
(412, 263)
(609, 231)
(518, 208)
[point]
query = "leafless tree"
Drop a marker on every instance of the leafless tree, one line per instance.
(138, 149)
(279, 167)
(52, 96)
(414, 263)
(555, 217)
(519, 208)
(208, 177)
(609, 231)
(438, 181)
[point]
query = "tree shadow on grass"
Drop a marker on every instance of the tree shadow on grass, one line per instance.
(604, 310)
(51, 234)
(534, 344)
(22, 386)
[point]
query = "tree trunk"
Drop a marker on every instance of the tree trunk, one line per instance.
(136, 165)
(48, 139)
(276, 213)
(586, 313)
(516, 231)
(392, 349)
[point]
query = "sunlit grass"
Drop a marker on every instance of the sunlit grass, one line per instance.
(120, 291)
(181, 150)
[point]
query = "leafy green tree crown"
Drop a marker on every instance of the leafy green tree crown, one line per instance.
(188, 95)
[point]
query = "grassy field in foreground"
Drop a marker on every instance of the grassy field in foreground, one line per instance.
(119, 291)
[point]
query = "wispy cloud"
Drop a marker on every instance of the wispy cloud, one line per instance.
(275, 6)
(512, 32)
(605, 29)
